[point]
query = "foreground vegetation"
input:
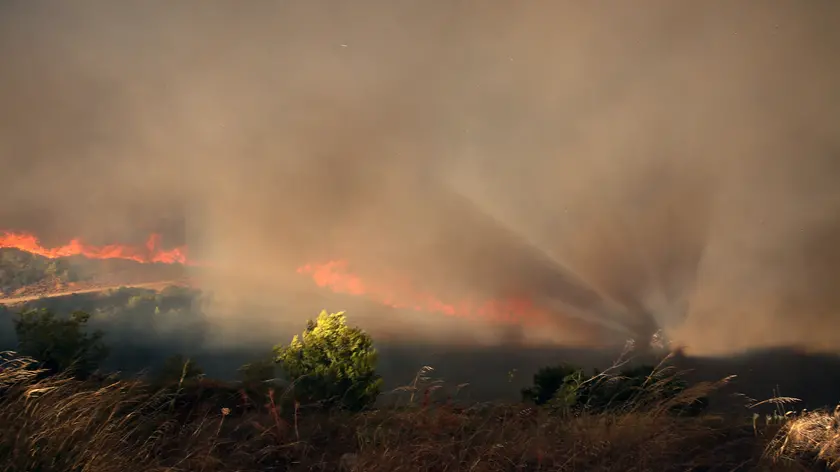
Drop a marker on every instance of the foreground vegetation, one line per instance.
(315, 404)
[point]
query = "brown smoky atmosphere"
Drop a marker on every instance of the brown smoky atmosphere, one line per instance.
(634, 166)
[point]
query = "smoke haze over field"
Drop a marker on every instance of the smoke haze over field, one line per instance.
(659, 164)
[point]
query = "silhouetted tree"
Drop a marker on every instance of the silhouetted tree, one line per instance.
(60, 344)
(548, 381)
(565, 387)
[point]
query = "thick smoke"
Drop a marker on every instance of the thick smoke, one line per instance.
(637, 165)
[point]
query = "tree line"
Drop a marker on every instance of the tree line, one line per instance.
(333, 365)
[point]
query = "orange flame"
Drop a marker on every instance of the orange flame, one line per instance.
(150, 252)
(399, 294)
(334, 275)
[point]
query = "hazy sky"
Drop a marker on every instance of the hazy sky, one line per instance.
(681, 159)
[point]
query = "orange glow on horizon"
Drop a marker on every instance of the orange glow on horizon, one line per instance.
(336, 276)
(398, 293)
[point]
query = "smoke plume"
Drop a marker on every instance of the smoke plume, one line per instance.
(631, 166)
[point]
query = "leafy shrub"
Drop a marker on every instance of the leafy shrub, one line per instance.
(565, 387)
(331, 363)
(549, 381)
(60, 344)
(635, 387)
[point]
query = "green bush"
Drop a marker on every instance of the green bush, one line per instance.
(60, 344)
(632, 388)
(332, 364)
(566, 388)
(551, 381)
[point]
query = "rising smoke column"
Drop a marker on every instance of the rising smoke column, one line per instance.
(282, 124)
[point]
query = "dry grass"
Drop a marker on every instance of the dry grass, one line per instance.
(59, 424)
(809, 437)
